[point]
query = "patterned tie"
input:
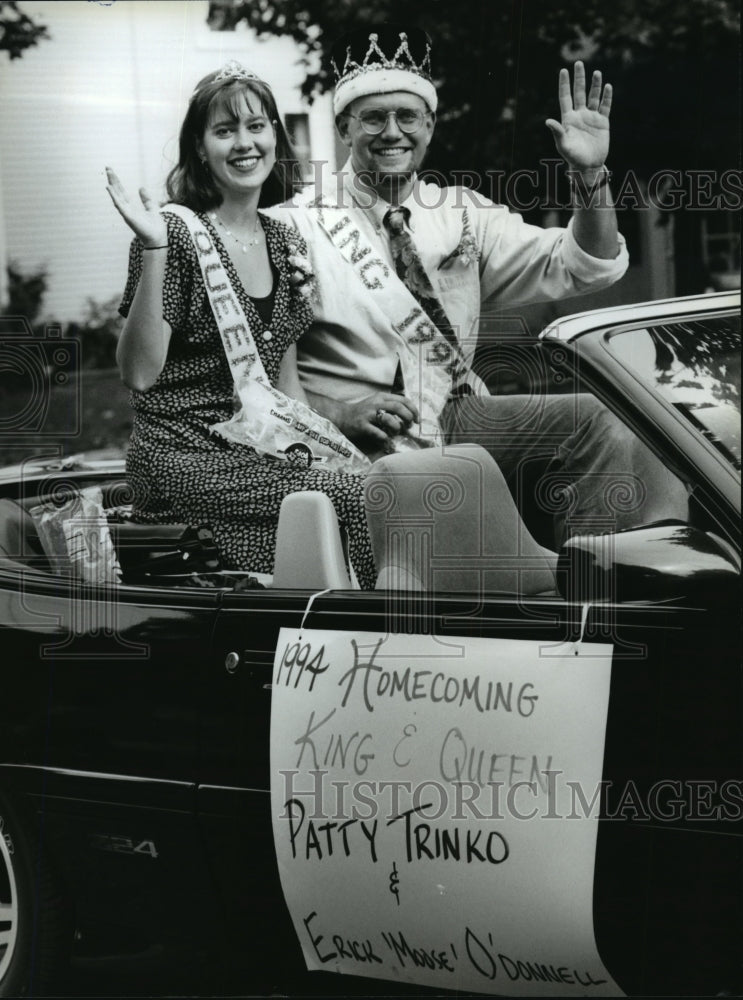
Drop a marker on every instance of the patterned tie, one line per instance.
(411, 272)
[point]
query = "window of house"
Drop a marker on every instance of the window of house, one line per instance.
(721, 247)
(298, 128)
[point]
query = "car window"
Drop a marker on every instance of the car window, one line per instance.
(695, 365)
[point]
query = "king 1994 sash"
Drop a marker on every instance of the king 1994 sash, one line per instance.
(430, 367)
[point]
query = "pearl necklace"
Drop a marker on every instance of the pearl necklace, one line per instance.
(244, 245)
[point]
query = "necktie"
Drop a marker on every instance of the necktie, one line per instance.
(411, 272)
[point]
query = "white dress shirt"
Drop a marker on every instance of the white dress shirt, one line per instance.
(351, 349)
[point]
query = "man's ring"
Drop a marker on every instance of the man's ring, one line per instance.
(379, 417)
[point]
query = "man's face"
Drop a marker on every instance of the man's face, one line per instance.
(392, 152)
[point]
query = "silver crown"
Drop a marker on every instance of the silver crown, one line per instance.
(402, 59)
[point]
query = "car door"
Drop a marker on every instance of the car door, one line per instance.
(672, 747)
(99, 736)
(666, 901)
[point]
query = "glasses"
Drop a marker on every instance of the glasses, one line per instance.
(375, 120)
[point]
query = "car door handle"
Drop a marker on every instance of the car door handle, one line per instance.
(231, 662)
(255, 663)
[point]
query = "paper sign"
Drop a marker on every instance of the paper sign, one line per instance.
(435, 810)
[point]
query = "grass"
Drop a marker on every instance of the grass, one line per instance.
(90, 412)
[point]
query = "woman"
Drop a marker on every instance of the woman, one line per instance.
(234, 156)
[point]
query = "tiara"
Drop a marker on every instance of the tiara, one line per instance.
(234, 71)
(402, 59)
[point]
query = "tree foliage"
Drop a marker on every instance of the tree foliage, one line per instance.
(18, 31)
(25, 293)
(673, 64)
(97, 331)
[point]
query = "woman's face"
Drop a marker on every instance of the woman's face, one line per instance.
(239, 144)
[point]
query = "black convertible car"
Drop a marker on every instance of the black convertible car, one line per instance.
(135, 778)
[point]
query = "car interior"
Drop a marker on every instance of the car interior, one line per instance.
(457, 510)
(178, 556)
(447, 526)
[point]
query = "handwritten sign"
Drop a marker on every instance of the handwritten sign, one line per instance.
(435, 808)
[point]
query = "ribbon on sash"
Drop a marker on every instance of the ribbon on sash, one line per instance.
(267, 419)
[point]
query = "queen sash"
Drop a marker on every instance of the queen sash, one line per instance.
(267, 419)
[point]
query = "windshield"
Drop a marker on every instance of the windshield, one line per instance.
(695, 365)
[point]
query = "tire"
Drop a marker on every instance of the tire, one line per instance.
(35, 927)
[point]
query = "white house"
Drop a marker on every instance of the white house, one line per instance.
(110, 88)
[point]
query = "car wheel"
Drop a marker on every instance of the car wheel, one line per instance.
(34, 923)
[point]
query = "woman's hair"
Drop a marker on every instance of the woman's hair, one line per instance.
(190, 182)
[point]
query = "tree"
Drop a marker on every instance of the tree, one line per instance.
(25, 293)
(673, 64)
(18, 31)
(97, 332)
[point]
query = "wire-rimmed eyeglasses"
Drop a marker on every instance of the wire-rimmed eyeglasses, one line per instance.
(374, 120)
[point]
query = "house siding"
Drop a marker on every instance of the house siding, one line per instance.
(110, 88)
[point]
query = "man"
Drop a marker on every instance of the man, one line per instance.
(403, 266)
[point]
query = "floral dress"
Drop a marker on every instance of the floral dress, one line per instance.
(182, 472)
